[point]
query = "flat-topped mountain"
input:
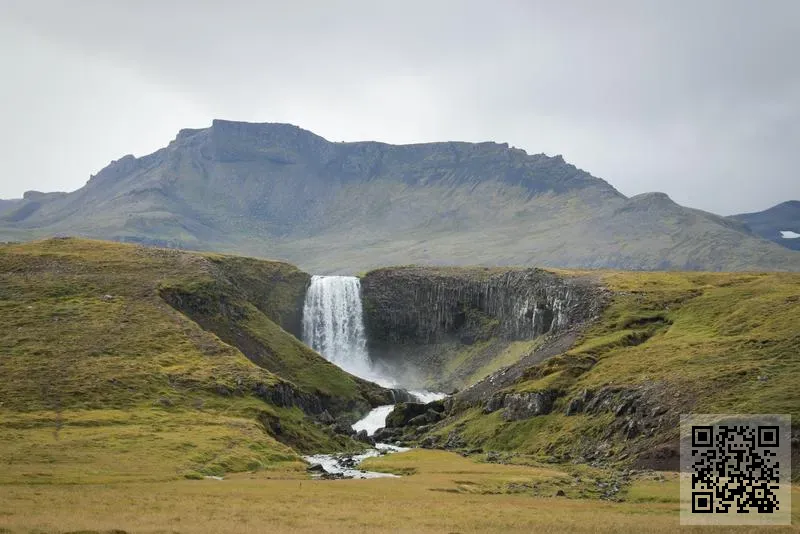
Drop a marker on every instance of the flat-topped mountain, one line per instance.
(276, 190)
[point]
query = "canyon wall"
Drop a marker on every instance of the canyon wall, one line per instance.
(440, 326)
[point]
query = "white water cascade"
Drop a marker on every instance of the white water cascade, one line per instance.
(333, 324)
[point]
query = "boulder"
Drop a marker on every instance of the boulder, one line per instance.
(387, 434)
(403, 413)
(454, 441)
(343, 428)
(363, 436)
(326, 418)
(524, 405)
(494, 403)
(315, 468)
(429, 417)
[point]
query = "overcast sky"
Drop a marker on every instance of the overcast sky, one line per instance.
(698, 99)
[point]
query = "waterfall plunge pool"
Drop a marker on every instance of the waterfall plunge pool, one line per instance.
(333, 325)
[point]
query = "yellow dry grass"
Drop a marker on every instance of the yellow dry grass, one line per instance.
(431, 500)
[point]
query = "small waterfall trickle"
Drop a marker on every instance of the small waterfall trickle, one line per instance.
(333, 323)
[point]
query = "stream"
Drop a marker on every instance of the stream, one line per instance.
(333, 325)
(336, 466)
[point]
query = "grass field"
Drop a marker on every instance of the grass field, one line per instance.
(445, 493)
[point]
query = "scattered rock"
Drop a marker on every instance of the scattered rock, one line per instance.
(326, 418)
(428, 443)
(454, 441)
(525, 405)
(315, 468)
(333, 476)
(348, 461)
(107, 298)
(387, 435)
(494, 457)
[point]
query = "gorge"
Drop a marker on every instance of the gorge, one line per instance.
(333, 325)
(415, 315)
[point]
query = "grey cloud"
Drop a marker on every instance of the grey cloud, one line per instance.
(697, 99)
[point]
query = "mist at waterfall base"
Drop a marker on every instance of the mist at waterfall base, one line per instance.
(333, 325)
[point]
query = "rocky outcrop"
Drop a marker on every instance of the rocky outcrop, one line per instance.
(403, 413)
(284, 395)
(408, 421)
(640, 413)
(518, 406)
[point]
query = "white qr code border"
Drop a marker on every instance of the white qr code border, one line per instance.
(735, 469)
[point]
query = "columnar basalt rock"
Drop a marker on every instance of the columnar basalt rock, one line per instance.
(447, 324)
(427, 305)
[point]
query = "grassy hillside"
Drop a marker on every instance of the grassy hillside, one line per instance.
(101, 379)
(668, 343)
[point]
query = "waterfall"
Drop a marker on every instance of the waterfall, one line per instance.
(333, 324)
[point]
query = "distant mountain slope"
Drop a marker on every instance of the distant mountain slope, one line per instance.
(780, 223)
(275, 190)
(6, 205)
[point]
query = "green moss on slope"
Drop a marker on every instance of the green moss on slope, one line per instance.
(88, 343)
(668, 343)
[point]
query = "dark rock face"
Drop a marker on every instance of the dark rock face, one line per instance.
(417, 319)
(518, 406)
(411, 305)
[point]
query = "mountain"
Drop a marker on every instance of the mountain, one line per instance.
(6, 205)
(780, 223)
(276, 190)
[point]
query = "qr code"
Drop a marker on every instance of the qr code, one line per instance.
(735, 469)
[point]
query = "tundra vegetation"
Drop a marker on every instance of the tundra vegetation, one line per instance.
(129, 375)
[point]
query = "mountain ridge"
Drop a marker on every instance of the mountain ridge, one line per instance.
(773, 222)
(277, 190)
